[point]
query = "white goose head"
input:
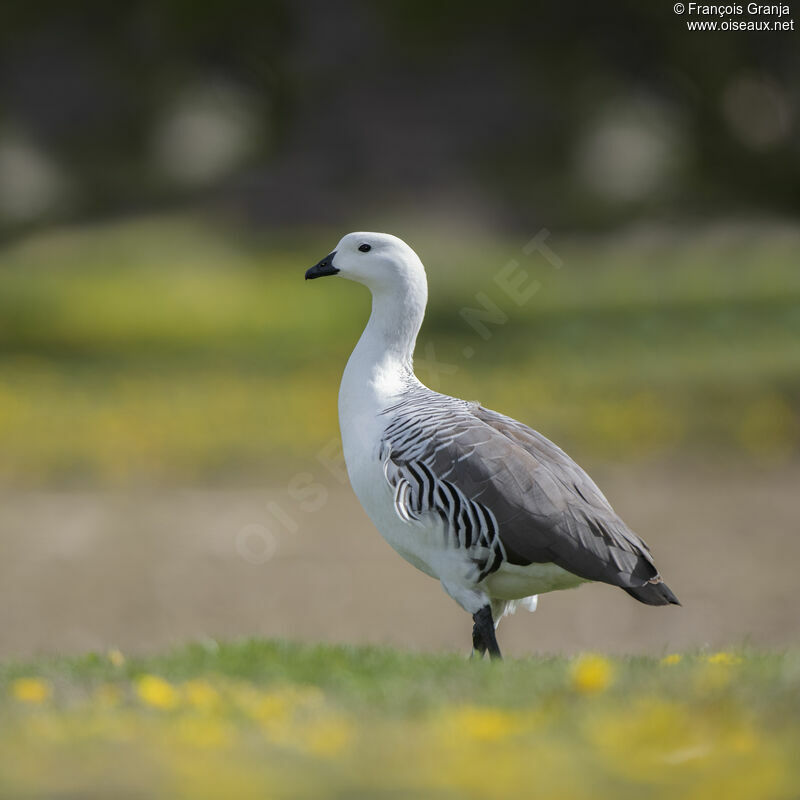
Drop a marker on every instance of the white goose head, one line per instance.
(382, 262)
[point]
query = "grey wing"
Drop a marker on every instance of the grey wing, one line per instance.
(531, 503)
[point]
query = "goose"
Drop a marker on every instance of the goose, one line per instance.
(492, 509)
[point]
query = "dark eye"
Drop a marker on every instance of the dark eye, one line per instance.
(365, 248)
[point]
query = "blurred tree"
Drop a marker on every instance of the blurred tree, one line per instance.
(313, 112)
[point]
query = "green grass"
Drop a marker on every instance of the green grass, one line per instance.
(170, 351)
(261, 718)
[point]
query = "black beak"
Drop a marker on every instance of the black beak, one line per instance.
(325, 267)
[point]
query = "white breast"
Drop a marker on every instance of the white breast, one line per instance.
(420, 544)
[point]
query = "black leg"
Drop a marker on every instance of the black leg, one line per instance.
(484, 627)
(478, 646)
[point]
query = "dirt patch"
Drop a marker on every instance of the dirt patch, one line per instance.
(147, 569)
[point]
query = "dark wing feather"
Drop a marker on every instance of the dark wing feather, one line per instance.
(546, 508)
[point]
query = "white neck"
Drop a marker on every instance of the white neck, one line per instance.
(381, 365)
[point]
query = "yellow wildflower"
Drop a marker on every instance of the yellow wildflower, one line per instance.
(715, 672)
(31, 690)
(116, 658)
(592, 673)
(155, 691)
(482, 724)
(727, 659)
(671, 659)
(712, 677)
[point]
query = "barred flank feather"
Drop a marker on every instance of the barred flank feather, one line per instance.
(505, 493)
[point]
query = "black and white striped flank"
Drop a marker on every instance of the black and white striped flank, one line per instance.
(505, 493)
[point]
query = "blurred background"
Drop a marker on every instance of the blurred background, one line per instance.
(169, 459)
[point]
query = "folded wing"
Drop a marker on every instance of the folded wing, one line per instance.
(504, 486)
